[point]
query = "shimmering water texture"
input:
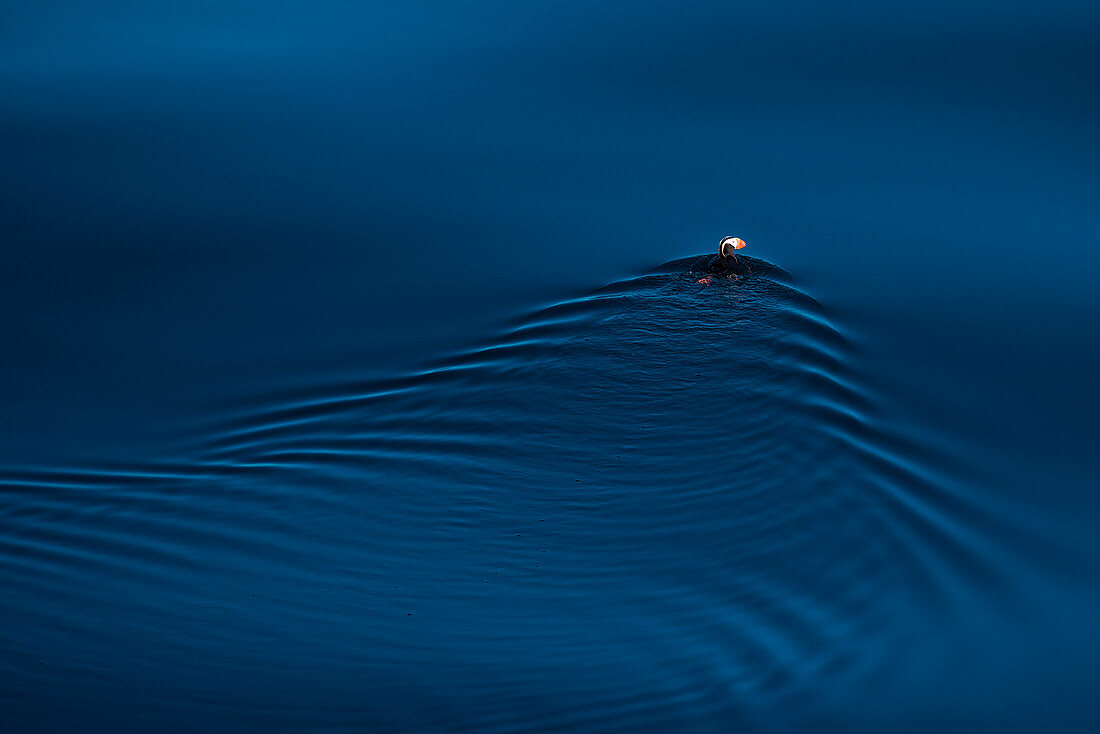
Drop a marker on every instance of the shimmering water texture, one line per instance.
(658, 506)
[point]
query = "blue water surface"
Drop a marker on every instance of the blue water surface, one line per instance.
(357, 375)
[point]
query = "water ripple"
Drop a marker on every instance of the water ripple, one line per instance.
(678, 493)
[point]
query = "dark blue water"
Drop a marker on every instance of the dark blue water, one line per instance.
(356, 375)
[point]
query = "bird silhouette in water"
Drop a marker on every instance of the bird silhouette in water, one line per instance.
(725, 264)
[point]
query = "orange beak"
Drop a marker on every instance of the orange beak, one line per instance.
(738, 243)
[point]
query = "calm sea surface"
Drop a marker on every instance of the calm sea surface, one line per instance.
(356, 376)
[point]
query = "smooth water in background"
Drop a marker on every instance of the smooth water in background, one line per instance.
(355, 376)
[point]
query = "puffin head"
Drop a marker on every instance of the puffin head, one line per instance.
(729, 244)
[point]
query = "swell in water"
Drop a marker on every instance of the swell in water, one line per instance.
(662, 505)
